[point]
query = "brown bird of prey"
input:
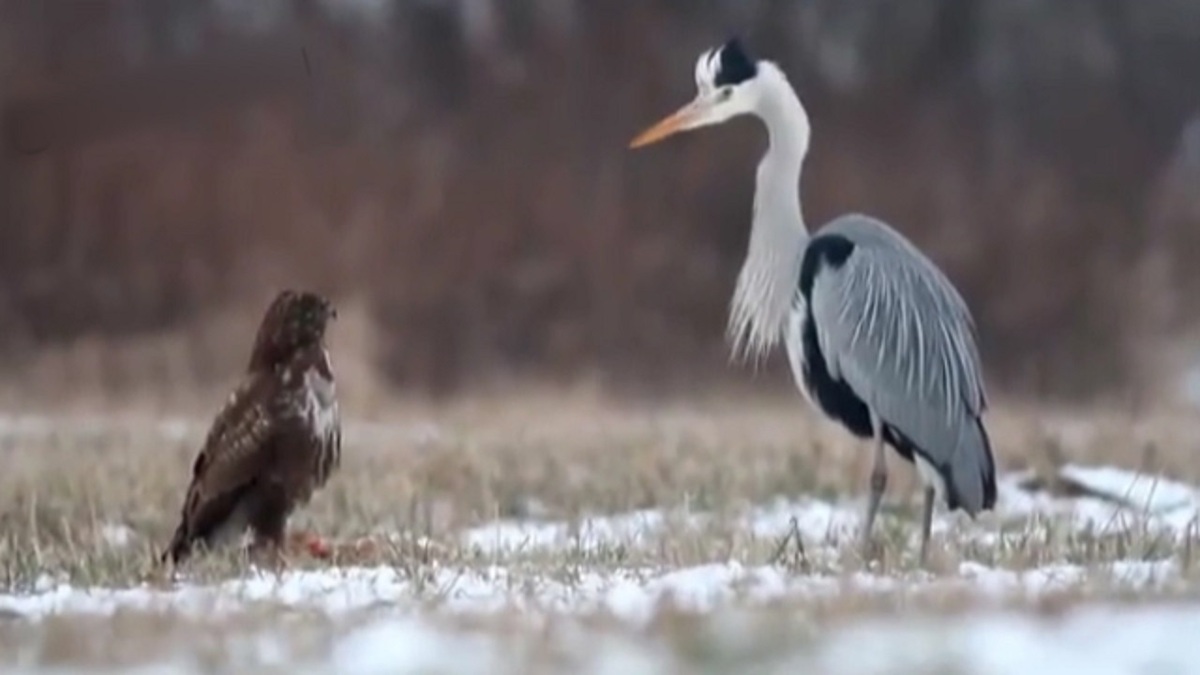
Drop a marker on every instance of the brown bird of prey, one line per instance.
(276, 441)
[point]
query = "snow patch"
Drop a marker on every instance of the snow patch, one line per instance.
(1131, 501)
(411, 646)
(1125, 501)
(632, 594)
(406, 636)
(1098, 640)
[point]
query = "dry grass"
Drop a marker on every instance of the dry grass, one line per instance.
(428, 472)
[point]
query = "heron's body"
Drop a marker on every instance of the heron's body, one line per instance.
(924, 425)
(877, 337)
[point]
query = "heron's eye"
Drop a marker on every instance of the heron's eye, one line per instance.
(725, 94)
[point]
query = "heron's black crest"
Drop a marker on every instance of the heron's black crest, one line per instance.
(736, 65)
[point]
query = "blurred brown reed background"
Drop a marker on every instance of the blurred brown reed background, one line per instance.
(458, 170)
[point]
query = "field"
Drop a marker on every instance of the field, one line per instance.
(548, 531)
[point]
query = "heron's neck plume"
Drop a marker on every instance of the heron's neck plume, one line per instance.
(766, 285)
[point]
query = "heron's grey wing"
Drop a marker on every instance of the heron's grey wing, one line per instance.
(891, 326)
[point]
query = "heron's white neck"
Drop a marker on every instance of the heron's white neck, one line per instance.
(767, 283)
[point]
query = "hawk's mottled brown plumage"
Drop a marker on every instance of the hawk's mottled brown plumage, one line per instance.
(277, 439)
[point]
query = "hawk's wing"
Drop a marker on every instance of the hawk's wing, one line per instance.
(235, 444)
(235, 452)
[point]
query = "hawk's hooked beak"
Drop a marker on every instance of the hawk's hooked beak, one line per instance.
(690, 116)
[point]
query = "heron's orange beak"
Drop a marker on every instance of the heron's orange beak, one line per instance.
(681, 120)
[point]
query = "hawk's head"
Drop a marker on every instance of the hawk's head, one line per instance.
(295, 320)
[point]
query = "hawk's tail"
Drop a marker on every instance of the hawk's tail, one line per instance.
(179, 548)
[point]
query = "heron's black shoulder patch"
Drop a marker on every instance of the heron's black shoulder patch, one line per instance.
(736, 65)
(823, 250)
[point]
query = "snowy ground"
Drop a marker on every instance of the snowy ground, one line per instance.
(749, 616)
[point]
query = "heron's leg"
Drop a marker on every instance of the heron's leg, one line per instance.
(926, 522)
(878, 483)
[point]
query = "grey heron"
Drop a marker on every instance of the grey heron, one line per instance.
(877, 337)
